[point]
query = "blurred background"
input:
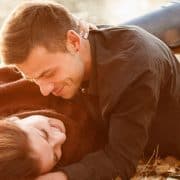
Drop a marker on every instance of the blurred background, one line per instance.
(98, 11)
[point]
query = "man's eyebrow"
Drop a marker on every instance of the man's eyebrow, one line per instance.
(39, 76)
(42, 74)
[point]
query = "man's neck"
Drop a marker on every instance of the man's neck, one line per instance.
(86, 56)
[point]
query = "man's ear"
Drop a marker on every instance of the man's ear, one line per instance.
(73, 41)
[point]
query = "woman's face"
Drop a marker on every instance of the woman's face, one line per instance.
(46, 136)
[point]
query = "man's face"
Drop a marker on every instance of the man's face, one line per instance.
(59, 73)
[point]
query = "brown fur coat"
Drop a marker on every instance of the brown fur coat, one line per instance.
(20, 97)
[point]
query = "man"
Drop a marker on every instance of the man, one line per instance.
(134, 76)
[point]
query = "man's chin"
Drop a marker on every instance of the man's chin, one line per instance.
(65, 95)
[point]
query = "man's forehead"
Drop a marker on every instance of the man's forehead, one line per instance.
(37, 63)
(35, 58)
(29, 73)
(26, 71)
(32, 68)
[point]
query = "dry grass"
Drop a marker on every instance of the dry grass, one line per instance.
(158, 169)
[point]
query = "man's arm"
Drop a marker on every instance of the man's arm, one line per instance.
(129, 105)
(128, 134)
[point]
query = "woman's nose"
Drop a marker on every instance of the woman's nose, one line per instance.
(45, 87)
(57, 137)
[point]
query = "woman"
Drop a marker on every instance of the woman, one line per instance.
(33, 144)
(32, 138)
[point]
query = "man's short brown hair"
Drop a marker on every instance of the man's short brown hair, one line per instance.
(31, 24)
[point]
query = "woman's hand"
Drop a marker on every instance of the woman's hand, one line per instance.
(53, 176)
(84, 27)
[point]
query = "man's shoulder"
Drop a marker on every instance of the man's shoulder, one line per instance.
(121, 37)
(118, 28)
(128, 29)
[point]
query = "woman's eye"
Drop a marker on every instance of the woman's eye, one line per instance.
(56, 159)
(44, 134)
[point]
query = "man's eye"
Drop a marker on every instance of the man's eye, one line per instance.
(56, 159)
(46, 75)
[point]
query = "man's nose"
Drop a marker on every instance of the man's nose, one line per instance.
(45, 87)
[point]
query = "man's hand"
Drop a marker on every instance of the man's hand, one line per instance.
(53, 176)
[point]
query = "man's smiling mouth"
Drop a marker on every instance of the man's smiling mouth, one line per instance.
(58, 91)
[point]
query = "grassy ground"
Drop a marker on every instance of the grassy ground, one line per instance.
(155, 168)
(158, 169)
